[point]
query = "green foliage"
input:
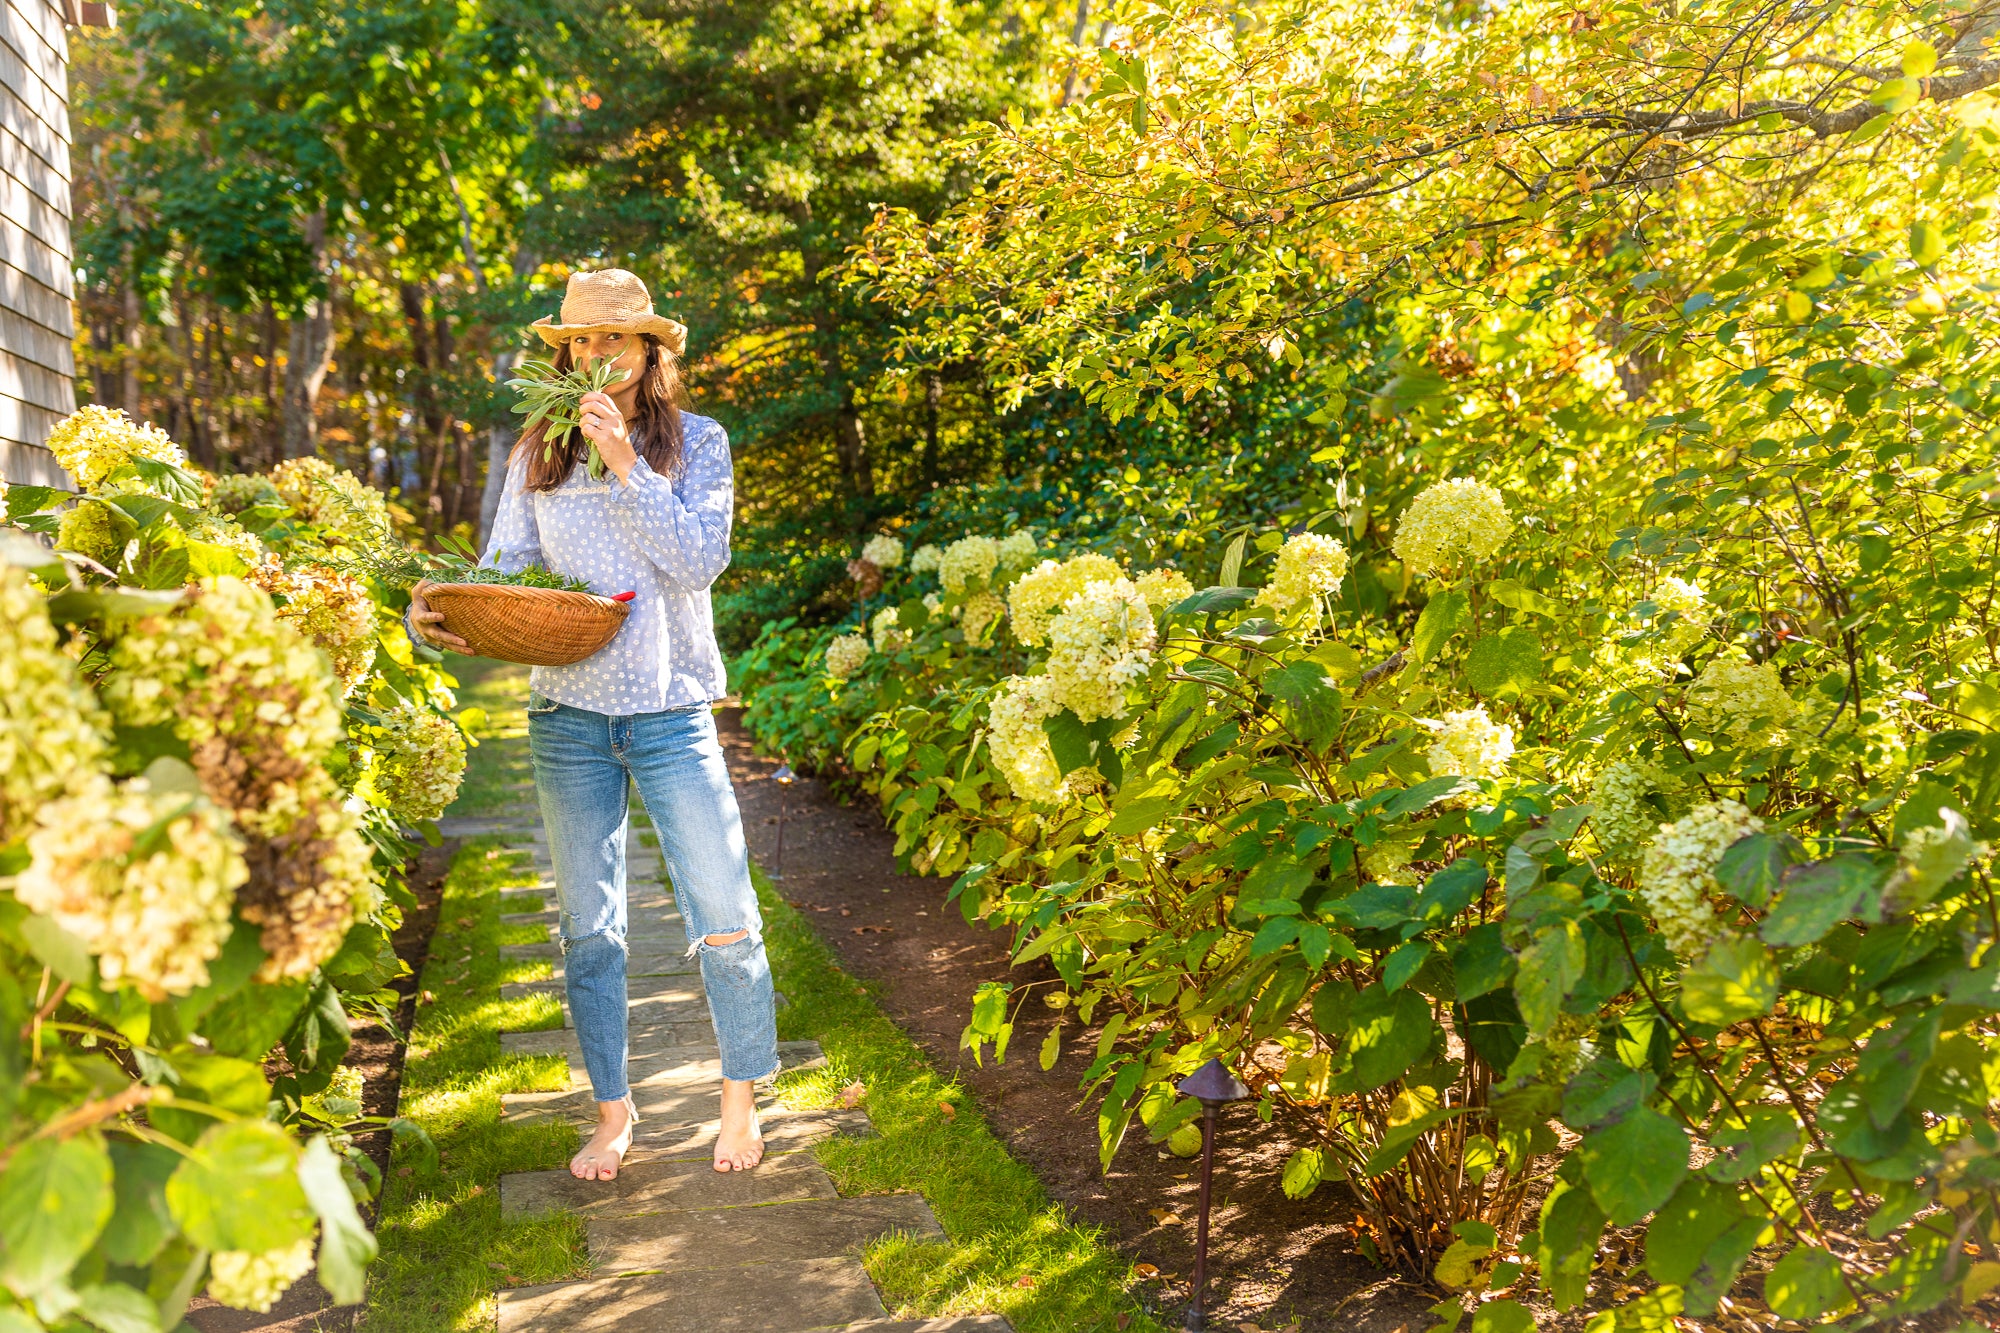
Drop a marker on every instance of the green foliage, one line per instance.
(166, 924)
(1752, 474)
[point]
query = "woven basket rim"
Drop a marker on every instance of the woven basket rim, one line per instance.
(513, 590)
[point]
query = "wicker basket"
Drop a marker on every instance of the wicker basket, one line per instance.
(538, 626)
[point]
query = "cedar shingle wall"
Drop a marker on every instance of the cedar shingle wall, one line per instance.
(37, 367)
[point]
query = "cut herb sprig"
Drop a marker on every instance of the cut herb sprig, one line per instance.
(554, 399)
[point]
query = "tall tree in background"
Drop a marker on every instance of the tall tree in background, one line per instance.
(255, 173)
(738, 151)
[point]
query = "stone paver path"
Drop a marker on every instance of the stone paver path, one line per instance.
(677, 1246)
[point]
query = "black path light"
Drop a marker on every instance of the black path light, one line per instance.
(784, 777)
(1214, 1087)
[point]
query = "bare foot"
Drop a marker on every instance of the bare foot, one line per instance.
(739, 1145)
(600, 1158)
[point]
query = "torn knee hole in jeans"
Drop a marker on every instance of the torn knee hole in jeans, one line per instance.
(720, 939)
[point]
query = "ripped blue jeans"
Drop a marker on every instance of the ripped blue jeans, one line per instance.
(585, 764)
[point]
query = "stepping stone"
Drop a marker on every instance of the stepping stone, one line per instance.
(650, 1000)
(640, 962)
(672, 1103)
(657, 1036)
(697, 1066)
(784, 1132)
(779, 1233)
(816, 1294)
(664, 1186)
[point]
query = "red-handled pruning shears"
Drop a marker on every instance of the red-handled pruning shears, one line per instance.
(624, 596)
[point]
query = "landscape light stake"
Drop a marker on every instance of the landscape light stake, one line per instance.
(784, 777)
(1214, 1087)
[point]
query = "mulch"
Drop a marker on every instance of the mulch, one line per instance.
(1273, 1261)
(306, 1308)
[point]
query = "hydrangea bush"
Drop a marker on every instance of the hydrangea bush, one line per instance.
(1573, 818)
(214, 751)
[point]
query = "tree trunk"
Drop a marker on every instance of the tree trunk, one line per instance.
(310, 352)
(499, 443)
(853, 438)
(134, 331)
(933, 399)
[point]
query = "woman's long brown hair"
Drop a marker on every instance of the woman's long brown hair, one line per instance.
(655, 424)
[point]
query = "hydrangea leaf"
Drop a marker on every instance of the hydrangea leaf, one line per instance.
(1635, 1164)
(239, 1189)
(55, 1197)
(1505, 663)
(1733, 980)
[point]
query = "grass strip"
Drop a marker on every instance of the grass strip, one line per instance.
(1009, 1249)
(444, 1245)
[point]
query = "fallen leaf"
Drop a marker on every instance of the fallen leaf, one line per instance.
(851, 1094)
(847, 911)
(428, 997)
(1024, 1281)
(1166, 1217)
(1147, 1271)
(1248, 1328)
(478, 1189)
(950, 1111)
(1123, 1320)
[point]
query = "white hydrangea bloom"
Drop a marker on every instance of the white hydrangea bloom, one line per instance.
(967, 560)
(887, 629)
(1625, 804)
(1037, 595)
(1310, 565)
(419, 763)
(882, 551)
(846, 654)
(981, 612)
(1677, 877)
(51, 728)
(1019, 746)
(1164, 588)
(95, 441)
(1469, 744)
(1739, 701)
(924, 560)
(155, 913)
(1452, 523)
(332, 609)
(1690, 603)
(1017, 548)
(1099, 647)
(242, 1280)
(347, 508)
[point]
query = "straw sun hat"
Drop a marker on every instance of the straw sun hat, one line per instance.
(609, 298)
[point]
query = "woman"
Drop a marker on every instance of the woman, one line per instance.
(638, 710)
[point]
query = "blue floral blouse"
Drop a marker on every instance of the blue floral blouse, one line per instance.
(665, 539)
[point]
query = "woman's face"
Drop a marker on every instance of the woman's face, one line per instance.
(626, 351)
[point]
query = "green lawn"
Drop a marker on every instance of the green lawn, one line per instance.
(1009, 1250)
(444, 1246)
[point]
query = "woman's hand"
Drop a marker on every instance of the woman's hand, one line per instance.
(604, 426)
(429, 624)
